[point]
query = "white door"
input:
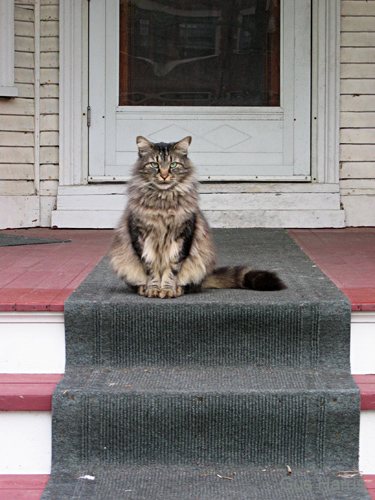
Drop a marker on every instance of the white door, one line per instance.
(233, 75)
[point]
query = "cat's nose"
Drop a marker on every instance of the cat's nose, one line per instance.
(164, 176)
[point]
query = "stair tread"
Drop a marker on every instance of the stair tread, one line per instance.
(205, 483)
(307, 325)
(178, 380)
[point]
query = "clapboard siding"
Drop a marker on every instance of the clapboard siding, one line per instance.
(15, 139)
(358, 8)
(358, 86)
(360, 39)
(17, 121)
(17, 116)
(49, 12)
(15, 172)
(357, 133)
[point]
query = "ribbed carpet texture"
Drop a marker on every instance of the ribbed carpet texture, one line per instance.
(222, 395)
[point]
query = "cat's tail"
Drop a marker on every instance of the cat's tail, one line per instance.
(243, 277)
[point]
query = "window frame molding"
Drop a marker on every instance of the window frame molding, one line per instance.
(7, 85)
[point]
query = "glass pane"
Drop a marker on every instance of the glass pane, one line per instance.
(199, 52)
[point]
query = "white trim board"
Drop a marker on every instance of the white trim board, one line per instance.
(324, 126)
(26, 442)
(19, 211)
(362, 345)
(32, 342)
(233, 205)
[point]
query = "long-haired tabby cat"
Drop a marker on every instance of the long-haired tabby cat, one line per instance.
(163, 245)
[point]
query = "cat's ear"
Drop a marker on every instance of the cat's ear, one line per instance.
(183, 146)
(144, 146)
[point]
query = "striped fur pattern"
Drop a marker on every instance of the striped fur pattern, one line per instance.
(163, 245)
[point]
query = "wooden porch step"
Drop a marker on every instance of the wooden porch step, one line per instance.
(27, 392)
(31, 487)
(33, 392)
(22, 487)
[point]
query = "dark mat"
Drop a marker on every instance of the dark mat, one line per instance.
(10, 240)
(203, 483)
(231, 380)
(239, 416)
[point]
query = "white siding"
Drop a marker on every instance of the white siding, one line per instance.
(357, 132)
(29, 143)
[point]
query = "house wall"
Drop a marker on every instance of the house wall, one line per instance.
(29, 123)
(357, 128)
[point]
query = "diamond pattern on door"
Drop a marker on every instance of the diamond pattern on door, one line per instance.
(225, 137)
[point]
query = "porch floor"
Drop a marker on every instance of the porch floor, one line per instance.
(41, 277)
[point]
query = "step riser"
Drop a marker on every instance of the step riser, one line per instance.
(209, 429)
(296, 336)
(26, 446)
(22, 334)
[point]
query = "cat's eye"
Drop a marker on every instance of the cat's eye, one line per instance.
(173, 165)
(154, 164)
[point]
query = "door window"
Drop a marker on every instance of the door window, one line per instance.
(199, 53)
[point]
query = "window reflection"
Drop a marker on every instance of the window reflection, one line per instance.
(199, 53)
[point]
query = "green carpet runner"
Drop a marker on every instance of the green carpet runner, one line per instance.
(223, 395)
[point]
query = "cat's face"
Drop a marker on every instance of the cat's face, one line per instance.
(163, 165)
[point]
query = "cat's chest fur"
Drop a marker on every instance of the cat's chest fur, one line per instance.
(161, 223)
(163, 214)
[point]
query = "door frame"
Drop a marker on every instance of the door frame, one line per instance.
(292, 114)
(325, 105)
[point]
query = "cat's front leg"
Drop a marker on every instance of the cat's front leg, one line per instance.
(169, 287)
(152, 288)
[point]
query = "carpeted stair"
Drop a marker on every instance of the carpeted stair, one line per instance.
(224, 395)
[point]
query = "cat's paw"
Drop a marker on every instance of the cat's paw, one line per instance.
(167, 294)
(152, 293)
(142, 290)
(171, 294)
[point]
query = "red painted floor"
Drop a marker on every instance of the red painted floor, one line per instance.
(22, 487)
(347, 256)
(41, 277)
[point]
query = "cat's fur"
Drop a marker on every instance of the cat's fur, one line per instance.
(163, 245)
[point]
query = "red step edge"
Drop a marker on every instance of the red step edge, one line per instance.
(369, 480)
(31, 487)
(33, 392)
(366, 384)
(22, 487)
(27, 392)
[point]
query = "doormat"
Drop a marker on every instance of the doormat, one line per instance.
(10, 240)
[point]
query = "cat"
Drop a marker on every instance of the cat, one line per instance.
(163, 246)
